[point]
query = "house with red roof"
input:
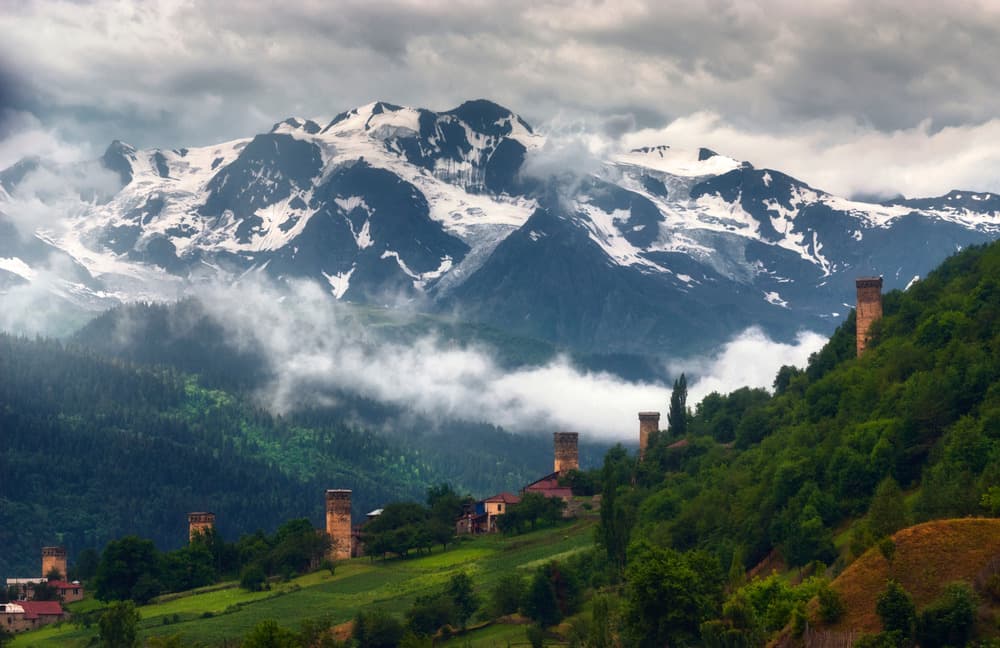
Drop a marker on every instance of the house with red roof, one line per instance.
(68, 592)
(43, 612)
(549, 487)
(18, 616)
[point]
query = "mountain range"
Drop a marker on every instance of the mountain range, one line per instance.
(468, 213)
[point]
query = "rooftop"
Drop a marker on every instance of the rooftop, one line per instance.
(506, 498)
(34, 609)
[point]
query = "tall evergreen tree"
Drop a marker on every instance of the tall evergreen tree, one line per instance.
(677, 414)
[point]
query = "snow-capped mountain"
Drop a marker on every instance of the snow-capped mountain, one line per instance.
(660, 250)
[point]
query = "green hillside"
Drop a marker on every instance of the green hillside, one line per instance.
(98, 448)
(803, 481)
(921, 407)
(221, 615)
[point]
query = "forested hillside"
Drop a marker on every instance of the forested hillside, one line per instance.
(95, 449)
(843, 454)
(920, 407)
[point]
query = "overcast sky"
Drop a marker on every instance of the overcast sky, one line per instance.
(853, 98)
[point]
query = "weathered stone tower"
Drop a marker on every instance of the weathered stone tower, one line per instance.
(649, 422)
(567, 455)
(200, 523)
(869, 307)
(54, 558)
(338, 523)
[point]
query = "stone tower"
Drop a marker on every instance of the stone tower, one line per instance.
(869, 307)
(567, 454)
(649, 422)
(338, 523)
(54, 558)
(200, 523)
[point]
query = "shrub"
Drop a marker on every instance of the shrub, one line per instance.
(896, 609)
(505, 598)
(268, 634)
(377, 629)
(800, 619)
(119, 624)
(831, 607)
(949, 620)
(252, 578)
(887, 548)
(893, 639)
(429, 613)
(463, 597)
(536, 636)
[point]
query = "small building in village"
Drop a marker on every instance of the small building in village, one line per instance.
(28, 614)
(19, 616)
(549, 487)
(24, 588)
(12, 618)
(68, 592)
(481, 516)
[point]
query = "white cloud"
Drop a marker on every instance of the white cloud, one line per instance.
(44, 305)
(751, 359)
(315, 348)
(50, 196)
(26, 136)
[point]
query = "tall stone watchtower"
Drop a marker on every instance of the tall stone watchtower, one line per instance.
(54, 558)
(338, 522)
(200, 523)
(869, 308)
(567, 453)
(649, 422)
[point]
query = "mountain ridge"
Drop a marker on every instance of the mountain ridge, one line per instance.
(386, 203)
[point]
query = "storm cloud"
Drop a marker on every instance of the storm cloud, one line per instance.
(174, 73)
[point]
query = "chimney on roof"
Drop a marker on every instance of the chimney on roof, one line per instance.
(338, 522)
(869, 308)
(649, 422)
(567, 453)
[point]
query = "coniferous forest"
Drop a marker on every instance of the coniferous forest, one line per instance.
(98, 447)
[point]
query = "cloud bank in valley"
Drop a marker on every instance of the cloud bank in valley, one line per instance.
(315, 347)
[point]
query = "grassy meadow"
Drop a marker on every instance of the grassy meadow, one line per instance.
(221, 615)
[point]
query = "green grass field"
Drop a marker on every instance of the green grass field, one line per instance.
(224, 615)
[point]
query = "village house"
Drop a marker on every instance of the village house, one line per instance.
(68, 592)
(29, 614)
(19, 616)
(12, 618)
(480, 517)
(549, 487)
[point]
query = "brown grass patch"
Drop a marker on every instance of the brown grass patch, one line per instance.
(928, 557)
(343, 631)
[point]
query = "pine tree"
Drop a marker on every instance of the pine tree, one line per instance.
(677, 414)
